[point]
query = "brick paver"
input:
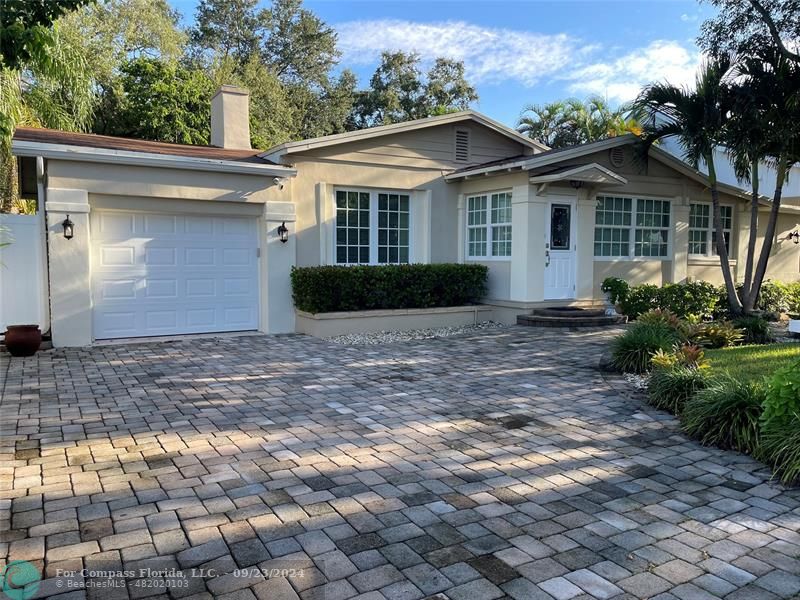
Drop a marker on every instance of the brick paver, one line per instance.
(500, 464)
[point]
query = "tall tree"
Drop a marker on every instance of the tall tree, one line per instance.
(763, 128)
(164, 101)
(568, 122)
(400, 92)
(745, 27)
(227, 28)
(696, 119)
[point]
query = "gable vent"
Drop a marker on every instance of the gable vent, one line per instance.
(616, 156)
(462, 145)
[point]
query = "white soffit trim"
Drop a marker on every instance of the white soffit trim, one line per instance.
(591, 173)
(144, 159)
(381, 130)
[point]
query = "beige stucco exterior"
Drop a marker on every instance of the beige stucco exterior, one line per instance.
(420, 162)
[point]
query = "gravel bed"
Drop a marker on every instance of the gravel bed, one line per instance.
(390, 337)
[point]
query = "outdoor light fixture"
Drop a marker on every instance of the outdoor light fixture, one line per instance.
(576, 183)
(69, 228)
(795, 237)
(283, 233)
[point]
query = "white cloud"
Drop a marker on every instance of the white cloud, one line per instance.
(491, 55)
(622, 78)
(496, 55)
(686, 18)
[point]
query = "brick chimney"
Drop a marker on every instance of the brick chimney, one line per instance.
(230, 118)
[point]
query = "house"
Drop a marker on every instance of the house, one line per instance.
(170, 239)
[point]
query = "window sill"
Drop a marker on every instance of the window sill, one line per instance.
(633, 259)
(487, 259)
(709, 260)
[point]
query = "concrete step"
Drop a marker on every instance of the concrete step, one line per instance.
(569, 316)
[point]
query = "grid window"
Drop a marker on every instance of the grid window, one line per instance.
(652, 228)
(626, 227)
(703, 234)
(489, 225)
(352, 227)
(613, 219)
(392, 228)
(372, 227)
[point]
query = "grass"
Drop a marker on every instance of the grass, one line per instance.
(753, 363)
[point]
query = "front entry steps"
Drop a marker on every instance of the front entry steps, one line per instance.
(569, 316)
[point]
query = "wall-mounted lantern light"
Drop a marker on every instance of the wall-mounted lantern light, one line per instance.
(283, 232)
(795, 237)
(576, 184)
(69, 228)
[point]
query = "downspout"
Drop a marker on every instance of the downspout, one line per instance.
(41, 200)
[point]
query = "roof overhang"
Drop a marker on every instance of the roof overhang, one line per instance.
(145, 159)
(591, 173)
(542, 160)
(276, 152)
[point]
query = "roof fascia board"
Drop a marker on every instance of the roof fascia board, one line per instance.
(542, 161)
(144, 159)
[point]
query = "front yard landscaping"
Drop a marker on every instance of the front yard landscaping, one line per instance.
(752, 363)
(727, 381)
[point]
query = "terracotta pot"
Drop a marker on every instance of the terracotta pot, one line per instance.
(23, 340)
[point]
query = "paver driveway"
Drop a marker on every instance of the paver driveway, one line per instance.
(490, 465)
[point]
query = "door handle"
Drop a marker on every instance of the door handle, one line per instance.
(547, 258)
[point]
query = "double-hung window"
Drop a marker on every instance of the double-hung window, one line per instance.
(703, 234)
(631, 227)
(489, 225)
(372, 227)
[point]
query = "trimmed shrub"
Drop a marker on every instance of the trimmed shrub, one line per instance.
(669, 389)
(780, 447)
(640, 299)
(372, 287)
(782, 402)
(616, 288)
(755, 330)
(726, 414)
(695, 299)
(631, 352)
(718, 334)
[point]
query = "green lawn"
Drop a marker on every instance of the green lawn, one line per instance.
(752, 363)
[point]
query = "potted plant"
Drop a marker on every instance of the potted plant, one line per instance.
(23, 340)
(615, 290)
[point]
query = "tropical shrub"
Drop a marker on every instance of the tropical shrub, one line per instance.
(755, 330)
(774, 297)
(616, 288)
(640, 299)
(685, 355)
(726, 414)
(631, 352)
(696, 299)
(782, 402)
(670, 388)
(717, 334)
(780, 447)
(340, 288)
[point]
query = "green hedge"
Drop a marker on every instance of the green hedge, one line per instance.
(368, 287)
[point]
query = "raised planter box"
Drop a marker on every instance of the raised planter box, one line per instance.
(342, 323)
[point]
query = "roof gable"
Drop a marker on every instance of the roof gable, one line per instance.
(277, 152)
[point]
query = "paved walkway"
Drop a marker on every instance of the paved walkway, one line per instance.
(499, 464)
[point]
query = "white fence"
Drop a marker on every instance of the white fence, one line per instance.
(23, 280)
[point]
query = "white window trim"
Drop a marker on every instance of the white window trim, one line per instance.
(631, 257)
(373, 223)
(488, 226)
(710, 230)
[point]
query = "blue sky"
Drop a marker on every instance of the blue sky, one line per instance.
(524, 51)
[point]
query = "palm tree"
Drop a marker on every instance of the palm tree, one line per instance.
(763, 128)
(568, 122)
(696, 119)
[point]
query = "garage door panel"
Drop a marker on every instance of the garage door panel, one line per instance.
(157, 274)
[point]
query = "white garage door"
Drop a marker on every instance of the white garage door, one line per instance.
(163, 274)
